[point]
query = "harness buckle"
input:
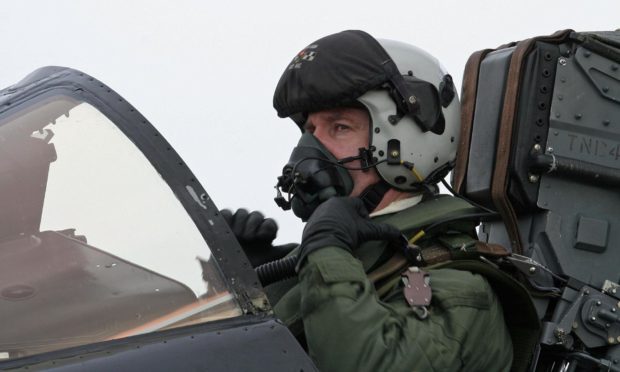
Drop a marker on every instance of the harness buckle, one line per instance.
(417, 290)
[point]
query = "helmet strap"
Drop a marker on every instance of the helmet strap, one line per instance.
(429, 185)
(373, 194)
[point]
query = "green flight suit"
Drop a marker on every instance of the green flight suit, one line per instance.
(349, 328)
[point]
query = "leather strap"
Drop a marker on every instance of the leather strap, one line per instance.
(500, 179)
(396, 264)
(383, 277)
(468, 107)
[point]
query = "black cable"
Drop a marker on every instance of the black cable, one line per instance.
(582, 356)
(347, 168)
(336, 163)
(554, 275)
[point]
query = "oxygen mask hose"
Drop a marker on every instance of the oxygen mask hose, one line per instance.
(277, 270)
(284, 268)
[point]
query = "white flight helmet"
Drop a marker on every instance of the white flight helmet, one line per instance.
(412, 103)
(409, 154)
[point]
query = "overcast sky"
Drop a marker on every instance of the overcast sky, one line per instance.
(203, 72)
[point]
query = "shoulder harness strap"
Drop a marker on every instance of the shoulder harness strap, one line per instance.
(519, 311)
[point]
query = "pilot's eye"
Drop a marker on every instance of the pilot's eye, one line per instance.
(341, 127)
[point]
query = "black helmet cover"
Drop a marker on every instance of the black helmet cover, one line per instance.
(337, 69)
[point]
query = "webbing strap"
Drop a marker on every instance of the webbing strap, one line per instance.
(395, 265)
(429, 256)
(519, 311)
(373, 194)
(499, 184)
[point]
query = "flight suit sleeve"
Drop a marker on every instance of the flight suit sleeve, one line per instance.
(349, 329)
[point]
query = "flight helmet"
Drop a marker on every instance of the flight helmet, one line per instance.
(411, 101)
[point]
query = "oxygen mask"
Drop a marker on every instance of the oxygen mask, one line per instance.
(313, 175)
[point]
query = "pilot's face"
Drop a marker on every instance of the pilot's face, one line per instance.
(343, 131)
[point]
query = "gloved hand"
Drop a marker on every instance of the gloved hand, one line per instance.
(256, 234)
(342, 222)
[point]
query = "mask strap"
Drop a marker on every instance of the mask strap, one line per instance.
(373, 194)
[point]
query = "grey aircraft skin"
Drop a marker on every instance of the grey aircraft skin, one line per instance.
(114, 257)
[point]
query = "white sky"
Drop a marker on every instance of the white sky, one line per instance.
(203, 72)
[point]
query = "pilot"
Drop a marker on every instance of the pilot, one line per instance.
(380, 125)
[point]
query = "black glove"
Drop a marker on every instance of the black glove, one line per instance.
(342, 222)
(256, 234)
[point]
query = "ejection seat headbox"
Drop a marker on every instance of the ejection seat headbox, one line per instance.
(547, 106)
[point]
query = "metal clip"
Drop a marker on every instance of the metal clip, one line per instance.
(417, 290)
